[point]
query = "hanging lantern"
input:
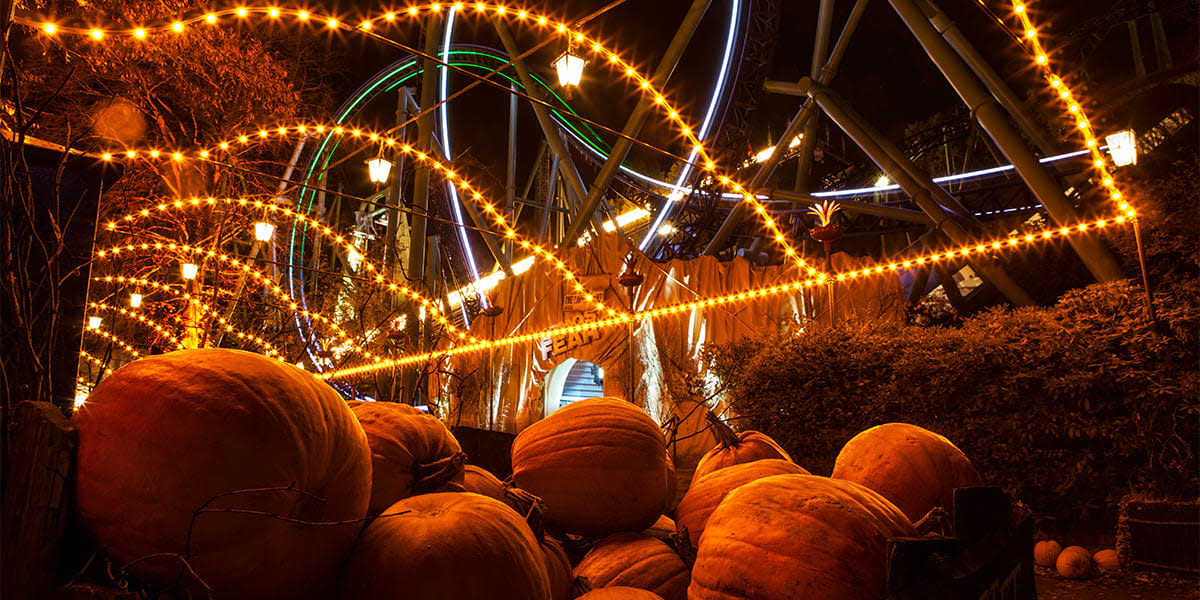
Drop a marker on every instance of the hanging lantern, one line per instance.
(94, 322)
(190, 270)
(569, 68)
(263, 231)
(378, 169)
(1122, 145)
(135, 300)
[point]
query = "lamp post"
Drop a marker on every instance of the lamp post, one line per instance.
(630, 279)
(827, 232)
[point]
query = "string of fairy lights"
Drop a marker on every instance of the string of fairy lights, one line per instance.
(575, 37)
(604, 55)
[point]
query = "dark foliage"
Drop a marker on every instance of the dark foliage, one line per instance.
(1067, 407)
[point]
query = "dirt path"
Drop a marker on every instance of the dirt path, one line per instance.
(1122, 585)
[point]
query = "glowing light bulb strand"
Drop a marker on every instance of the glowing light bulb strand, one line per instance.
(576, 36)
(993, 246)
(138, 316)
(269, 349)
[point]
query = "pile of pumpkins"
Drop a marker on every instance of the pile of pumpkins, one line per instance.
(223, 474)
(1074, 562)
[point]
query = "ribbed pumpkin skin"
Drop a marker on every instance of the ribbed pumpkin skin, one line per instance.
(636, 560)
(752, 446)
(619, 593)
(558, 568)
(705, 494)
(411, 452)
(447, 545)
(915, 468)
(164, 435)
(481, 481)
(599, 465)
(793, 537)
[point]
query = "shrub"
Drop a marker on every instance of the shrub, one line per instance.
(1067, 407)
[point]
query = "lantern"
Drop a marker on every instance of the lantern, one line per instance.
(263, 231)
(190, 270)
(94, 322)
(569, 68)
(1123, 147)
(135, 300)
(378, 169)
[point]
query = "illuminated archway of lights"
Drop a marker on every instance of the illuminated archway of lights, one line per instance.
(268, 348)
(1019, 9)
(603, 54)
(378, 278)
(143, 319)
(262, 278)
(98, 331)
(444, 170)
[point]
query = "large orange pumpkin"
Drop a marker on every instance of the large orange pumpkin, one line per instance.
(599, 465)
(735, 448)
(411, 452)
(240, 450)
(915, 468)
(704, 495)
(447, 545)
(792, 537)
(635, 560)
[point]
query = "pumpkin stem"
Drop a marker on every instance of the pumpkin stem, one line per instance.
(725, 434)
(529, 506)
(580, 586)
(435, 474)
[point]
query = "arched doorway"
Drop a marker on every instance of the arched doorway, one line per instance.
(572, 380)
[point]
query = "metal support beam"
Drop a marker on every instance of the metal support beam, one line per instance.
(416, 256)
(797, 123)
(551, 184)
(549, 129)
(633, 125)
(511, 176)
(872, 142)
(808, 142)
(864, 208)
(489, 238)
(994, 82)
(991, 117)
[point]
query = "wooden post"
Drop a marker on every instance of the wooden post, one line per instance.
(36, 499)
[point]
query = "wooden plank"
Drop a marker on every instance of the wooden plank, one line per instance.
(36, 499)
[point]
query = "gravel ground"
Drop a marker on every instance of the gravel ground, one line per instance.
(1120, 585)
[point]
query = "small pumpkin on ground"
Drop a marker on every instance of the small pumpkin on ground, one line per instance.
(447, 545)
(913, 467)
(635, 560)
(735, 448)
(411, 452)
(620, 593)
(1075, 562)
(1107, 560)
(705, 494)
(220, 457)
(793, 537)
(1046, 552)
(599, 465)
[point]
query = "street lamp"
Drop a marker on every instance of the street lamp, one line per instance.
(378, 169)
(263, 231)
(569, 68)
(189, 271)
(94, 322)
(135, 300)
(1123, 147)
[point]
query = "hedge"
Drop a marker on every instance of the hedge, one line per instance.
(1068, 407)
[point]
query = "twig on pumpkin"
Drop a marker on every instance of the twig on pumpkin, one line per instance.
(185, 564)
